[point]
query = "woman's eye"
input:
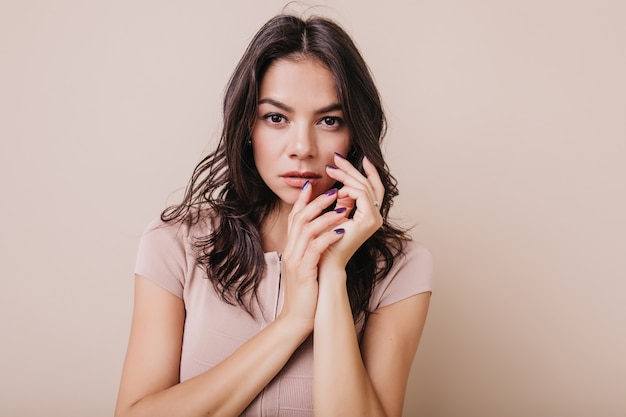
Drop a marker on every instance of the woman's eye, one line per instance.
(331, 121)
(275, 118)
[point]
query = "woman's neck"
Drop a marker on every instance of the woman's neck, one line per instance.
(274, 229)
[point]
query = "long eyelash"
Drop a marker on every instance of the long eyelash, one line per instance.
(269, 115)
(338, 120)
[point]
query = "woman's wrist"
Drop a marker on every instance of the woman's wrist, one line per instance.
(331, 267)
(295, 326)
(332, 290)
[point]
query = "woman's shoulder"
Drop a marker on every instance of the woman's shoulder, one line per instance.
(411, 273)
(413, 251)
(196, 223)
(176, 238)
(167, 250)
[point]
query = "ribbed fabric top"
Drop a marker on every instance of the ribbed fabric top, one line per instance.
(214, 329)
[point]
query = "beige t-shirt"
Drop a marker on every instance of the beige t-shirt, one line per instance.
(214, 330)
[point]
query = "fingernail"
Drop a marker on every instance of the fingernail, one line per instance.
(340, 210)
(340, 155)
(339, 231)
(331, 166)
(330, 192)
(306, 185)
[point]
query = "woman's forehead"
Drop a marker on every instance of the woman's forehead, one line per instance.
(297, 81)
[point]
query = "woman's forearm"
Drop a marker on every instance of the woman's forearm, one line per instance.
(229, 387)
(341, 385)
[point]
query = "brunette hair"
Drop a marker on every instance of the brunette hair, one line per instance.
(226, 187)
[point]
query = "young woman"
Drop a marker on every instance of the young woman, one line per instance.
(278, 287)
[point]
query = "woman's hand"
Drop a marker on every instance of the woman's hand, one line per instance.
(366, 192)
(309, 236)
(341, 383)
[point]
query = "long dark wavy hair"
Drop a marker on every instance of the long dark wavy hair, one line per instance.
(226, 187)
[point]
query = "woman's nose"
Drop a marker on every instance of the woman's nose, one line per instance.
(302, 142)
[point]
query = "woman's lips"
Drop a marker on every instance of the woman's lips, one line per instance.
(297, 179)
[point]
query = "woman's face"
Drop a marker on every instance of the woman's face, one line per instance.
(299, 126)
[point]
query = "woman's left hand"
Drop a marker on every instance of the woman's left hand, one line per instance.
(366, 192)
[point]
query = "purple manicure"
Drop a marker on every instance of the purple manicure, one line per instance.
(331, 166)
(340, 210)
(330, 192)
(339, 231)
(306, 184)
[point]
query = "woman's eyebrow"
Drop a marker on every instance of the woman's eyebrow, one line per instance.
(276, 103)
(283, 106)
(332, 107)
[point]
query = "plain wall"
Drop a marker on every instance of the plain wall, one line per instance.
(507, 135)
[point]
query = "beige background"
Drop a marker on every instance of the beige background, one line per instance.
(507, 135)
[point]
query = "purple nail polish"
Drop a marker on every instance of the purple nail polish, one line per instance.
(340, 210)
(339, 231)
(306, 185)
(330, 192)
(340, 155)
(331, 166)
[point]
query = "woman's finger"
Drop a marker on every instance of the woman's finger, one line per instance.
(374, 179)
(366, 208)
(347, 174)
(301, 201)
(344, 165)
(308, 223)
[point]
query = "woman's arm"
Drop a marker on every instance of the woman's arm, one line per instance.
(150, 378)
(388, 347)
(370, 380)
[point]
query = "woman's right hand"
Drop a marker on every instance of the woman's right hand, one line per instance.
(309, 235)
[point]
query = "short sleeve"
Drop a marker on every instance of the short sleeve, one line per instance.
(412, 274)
(161, 257)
